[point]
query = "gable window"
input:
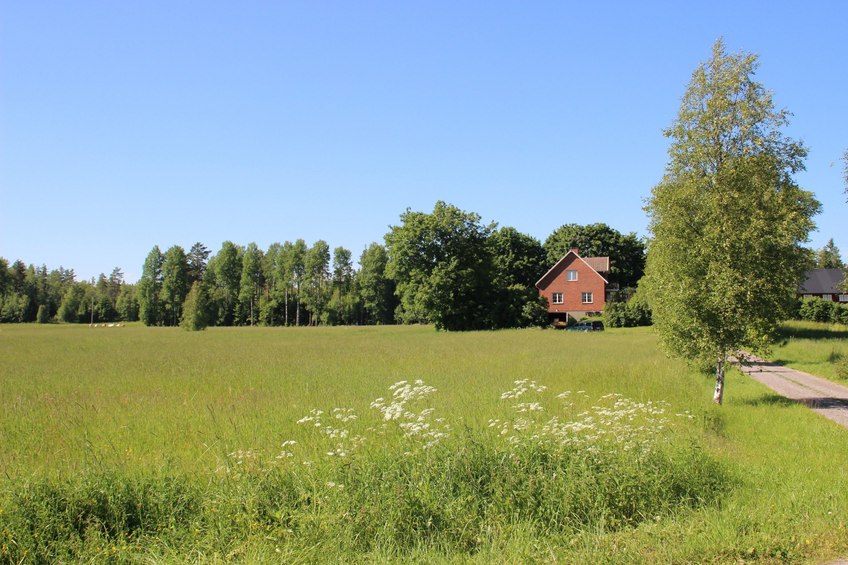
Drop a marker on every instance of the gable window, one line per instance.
(586, 297)
(556, 298)
(571, 275)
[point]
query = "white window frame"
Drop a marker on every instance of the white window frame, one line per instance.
(554, 296)
(585, 295)
(571, 276)
(843, 297)
(827, 297)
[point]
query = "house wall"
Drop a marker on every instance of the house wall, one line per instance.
(833, 297)
(587, 281)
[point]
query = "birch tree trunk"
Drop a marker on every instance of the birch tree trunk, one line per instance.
(718, 395)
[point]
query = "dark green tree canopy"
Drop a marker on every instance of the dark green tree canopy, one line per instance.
(518, 258)
(443, 268)
(376, 289)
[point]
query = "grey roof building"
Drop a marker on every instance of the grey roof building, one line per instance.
(824, 282)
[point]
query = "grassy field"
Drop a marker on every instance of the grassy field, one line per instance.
(816, 348)
(134, 443)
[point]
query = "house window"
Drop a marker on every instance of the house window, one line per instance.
(571, 275)
(586, 297)
(827, 297)
(556, 298)
(843, 297)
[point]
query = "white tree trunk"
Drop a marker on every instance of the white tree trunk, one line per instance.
(718, 395)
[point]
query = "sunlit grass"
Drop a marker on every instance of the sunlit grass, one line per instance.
(814, 347)
(188, 439)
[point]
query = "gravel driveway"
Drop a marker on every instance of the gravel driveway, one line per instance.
(820, 395)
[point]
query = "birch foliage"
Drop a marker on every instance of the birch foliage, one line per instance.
(727, 220)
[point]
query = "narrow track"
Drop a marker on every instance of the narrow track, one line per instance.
(825, 397)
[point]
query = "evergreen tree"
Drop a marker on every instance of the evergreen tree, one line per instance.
(197, 259)
(829, 257)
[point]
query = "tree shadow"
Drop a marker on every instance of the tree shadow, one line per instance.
(770, 400)
(786, 332)
(825, 402)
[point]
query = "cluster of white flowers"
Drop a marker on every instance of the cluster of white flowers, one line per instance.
(615, 419)
(521, 387)
(417, 425)
(522, 407)
(402, 394)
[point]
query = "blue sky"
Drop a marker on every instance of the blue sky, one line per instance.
(125, 125)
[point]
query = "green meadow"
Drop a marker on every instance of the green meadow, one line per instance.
(817, 348)
(400, 444)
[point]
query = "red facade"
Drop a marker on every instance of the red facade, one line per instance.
(574, 287)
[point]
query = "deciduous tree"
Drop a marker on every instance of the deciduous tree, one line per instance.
(195, 309)
(443, 268)
(727, 219)
(174, 284)
(250, 283)
(375, 288)
(149, 287)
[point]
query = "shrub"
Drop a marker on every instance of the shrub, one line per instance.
(816, 309)
(841, 314)
(627, 314)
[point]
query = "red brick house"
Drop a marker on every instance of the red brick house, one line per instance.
(576, 286)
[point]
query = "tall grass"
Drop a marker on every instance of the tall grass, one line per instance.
(815, 347)
(136, 444)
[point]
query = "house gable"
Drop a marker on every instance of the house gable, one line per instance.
(573, 286)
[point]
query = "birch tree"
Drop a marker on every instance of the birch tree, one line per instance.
(728, 220)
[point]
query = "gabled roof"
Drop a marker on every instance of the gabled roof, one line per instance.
(589, 261)
(822, 281)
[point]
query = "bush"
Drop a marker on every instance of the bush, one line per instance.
(816, 309)
(627, 314)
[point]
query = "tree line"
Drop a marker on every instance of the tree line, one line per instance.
(445, 267)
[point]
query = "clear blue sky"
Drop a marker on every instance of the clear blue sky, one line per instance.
(129, 124)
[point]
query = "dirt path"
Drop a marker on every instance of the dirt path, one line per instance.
(820, 395)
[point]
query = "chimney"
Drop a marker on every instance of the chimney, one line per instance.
(575, 250)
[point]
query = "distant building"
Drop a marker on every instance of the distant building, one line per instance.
(575, 286)
(824, 284)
